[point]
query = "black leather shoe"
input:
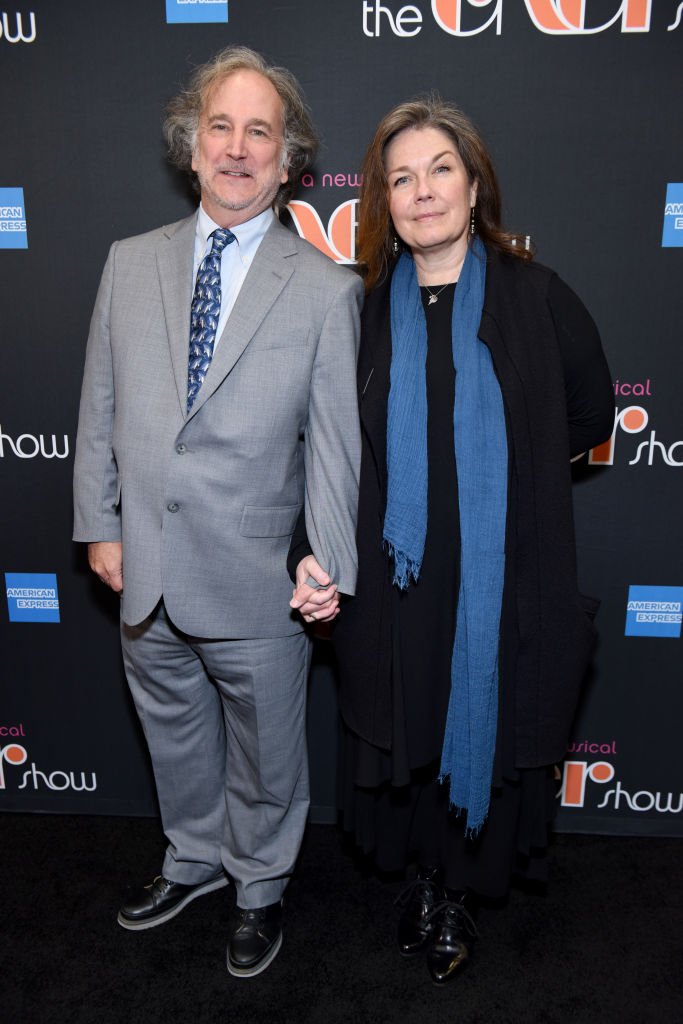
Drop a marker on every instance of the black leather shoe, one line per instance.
(418, 900)
(162, 900)
(255, 939)
(452, 940)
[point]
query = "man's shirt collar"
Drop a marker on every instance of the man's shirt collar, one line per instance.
(248, 235)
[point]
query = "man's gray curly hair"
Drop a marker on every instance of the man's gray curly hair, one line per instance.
(184, 111)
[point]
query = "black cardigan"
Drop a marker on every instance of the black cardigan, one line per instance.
(530, 318)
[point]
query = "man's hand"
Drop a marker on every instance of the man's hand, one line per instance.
(106, 559)
(314, 604)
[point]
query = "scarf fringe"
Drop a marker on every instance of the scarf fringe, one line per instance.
(471, 831)
(406, 569)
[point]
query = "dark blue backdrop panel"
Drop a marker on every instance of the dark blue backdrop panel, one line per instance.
(579, 104)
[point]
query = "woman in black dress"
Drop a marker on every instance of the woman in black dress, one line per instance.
(480, 375)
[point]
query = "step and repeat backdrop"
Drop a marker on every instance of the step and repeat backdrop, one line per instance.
(579, 101)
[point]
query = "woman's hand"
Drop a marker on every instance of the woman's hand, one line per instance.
(314, 603)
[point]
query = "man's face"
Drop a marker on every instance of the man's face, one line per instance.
(239, 147)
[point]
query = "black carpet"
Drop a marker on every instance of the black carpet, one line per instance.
(604, 945)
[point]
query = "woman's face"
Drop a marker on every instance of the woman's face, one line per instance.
(429, 194)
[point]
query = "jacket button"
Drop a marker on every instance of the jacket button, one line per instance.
(181, 449)
(173, 506)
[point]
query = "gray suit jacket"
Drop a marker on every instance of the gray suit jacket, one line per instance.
(205, 503)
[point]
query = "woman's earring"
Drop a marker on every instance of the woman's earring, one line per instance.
(395, 247)
(472, 227)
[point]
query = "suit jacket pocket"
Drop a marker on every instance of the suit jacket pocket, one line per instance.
(287, 339)
(269, 522)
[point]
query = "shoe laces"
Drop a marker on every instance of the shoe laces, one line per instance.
(454, 914)
(160, 884)
(253, 916)
(423, 889)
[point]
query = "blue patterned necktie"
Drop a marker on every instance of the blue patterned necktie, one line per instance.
(206, 310)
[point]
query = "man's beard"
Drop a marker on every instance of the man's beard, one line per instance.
(262, 199)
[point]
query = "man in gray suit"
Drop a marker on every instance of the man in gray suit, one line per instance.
(219, 400)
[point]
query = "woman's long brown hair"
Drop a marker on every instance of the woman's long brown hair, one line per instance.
(376, 233)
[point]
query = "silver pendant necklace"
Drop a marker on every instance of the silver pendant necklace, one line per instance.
(434, 296)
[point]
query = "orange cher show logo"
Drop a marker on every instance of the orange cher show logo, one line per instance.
(13, 29)
(338, 241)
(633, 420)
(552, 17)
(13, 755)
(577, 776)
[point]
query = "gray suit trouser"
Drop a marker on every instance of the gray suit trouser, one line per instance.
(225, 724)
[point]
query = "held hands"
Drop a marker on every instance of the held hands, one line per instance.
(319, 604)
(106, 560)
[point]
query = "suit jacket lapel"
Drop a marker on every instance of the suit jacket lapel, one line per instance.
(175, 255)
(266, 278)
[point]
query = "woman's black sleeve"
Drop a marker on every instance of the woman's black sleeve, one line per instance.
(588, 384)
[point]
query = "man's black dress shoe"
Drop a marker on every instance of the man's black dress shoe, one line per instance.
(255, 939)
(418, 900)
(162, 900)
(452, 939)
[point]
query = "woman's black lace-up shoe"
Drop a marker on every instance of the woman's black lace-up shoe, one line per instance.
(418, 900)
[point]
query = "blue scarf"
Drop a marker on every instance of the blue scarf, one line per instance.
(481, 464)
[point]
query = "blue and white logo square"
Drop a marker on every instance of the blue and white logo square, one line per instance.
(673, 215)
(202, 11)
(32, 596)
(654, 611)
(12, 219)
